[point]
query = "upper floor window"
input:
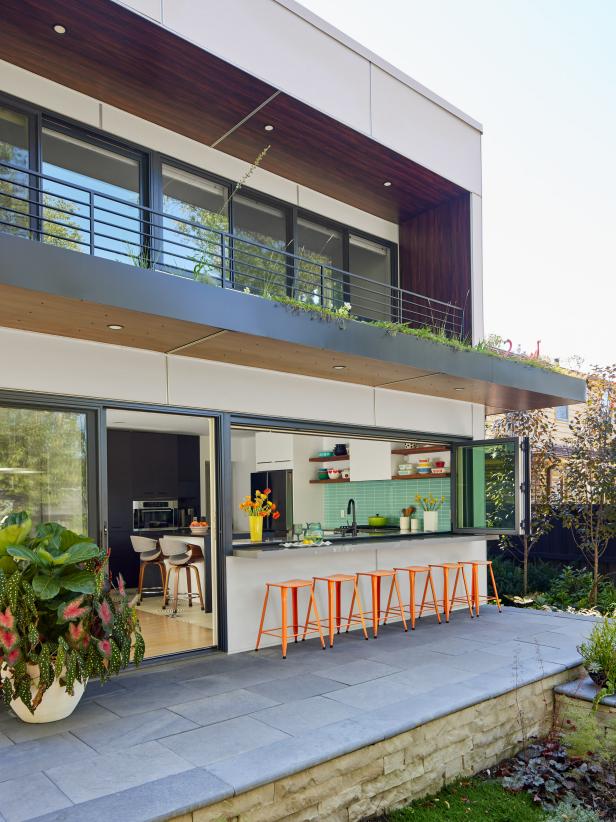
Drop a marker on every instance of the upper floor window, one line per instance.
(370, 298)
(14, 150)
(318, 275)
(92, 203)
(260, 261)
(195, 209)
(562, 412)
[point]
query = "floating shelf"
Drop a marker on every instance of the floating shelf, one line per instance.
(342, 458)
(328, 481)
(418, 476)
(428, 449)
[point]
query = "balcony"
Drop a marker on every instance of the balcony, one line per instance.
(180, 286)
(55, 212)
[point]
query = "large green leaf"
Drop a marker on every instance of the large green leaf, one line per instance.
(82, 582)
(80, 552)
(22, 552)
(14, 530)
(45, 557)
(45, 586)
(70, 538)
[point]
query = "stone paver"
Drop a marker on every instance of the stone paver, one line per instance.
(178, 735)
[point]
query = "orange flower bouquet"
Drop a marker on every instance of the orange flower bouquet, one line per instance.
(257, 509)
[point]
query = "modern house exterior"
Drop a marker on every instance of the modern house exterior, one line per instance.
(216, 221)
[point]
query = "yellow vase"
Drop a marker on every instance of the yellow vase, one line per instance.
(256, 529)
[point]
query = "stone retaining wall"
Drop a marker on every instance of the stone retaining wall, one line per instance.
(391, 773)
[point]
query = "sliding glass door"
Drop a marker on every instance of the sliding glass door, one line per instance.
(47, 466)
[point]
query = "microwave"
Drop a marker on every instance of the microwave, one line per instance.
(155, 514)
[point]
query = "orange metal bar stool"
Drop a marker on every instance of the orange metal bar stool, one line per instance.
(334, 595)
(283, 632)
(476, 597)
(377, 612)
(448, 601)
(413, 570)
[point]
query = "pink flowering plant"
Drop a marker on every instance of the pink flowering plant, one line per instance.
(58, 613)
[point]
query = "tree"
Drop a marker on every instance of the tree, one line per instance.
(540, 429)
(589, 473)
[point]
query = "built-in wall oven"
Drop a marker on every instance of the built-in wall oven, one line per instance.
(155, 514)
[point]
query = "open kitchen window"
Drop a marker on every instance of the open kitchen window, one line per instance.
(492, 479)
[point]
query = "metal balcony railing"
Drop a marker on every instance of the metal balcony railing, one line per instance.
(194, 243)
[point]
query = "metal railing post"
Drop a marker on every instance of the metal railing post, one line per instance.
(91, 207)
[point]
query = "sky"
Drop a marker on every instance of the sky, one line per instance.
(540, 75)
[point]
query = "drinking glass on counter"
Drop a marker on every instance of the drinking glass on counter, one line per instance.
(298, 530)
(314, 531)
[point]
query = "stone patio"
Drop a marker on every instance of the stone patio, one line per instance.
(176, 736)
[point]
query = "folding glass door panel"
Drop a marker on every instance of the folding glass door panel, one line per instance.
(195, 210)
(47, 466)
(14, 184)
(92, 203)
(492, 487)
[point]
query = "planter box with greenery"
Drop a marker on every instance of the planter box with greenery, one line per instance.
(59, 623)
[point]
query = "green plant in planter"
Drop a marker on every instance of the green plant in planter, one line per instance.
(599, 657)
(55, 613)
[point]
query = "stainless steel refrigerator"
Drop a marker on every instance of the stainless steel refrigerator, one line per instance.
(281, 485)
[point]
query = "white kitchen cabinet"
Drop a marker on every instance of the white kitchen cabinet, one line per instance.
(370, 460)
(273, 450)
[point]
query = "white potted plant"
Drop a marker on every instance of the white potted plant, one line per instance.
(59, 626)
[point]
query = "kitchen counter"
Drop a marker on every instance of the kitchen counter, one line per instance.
(246, 548)
(252, 566)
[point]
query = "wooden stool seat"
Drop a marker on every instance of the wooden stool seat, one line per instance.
(283, 632)
(376, 612)
(476, 597)
(448, 601)
(412, 571)
(334, 591)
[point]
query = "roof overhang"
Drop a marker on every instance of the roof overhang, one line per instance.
(130, 62)
(56, 291)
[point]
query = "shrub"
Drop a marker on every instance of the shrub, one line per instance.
(599, 656)
(570, 810)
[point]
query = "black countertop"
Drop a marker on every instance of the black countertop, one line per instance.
(366, 535)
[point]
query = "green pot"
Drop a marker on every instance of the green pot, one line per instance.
(377, 521)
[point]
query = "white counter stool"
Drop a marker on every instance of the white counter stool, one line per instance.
(149, 554)
(182, 555)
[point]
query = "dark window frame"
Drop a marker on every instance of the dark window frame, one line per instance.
(151, 188)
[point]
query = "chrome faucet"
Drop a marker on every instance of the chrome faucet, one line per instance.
(351, 507)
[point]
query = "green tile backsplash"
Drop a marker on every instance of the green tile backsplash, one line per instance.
(384, 497)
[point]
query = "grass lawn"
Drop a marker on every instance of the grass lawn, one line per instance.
(471, 799)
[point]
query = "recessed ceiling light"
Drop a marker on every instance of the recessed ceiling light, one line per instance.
(339, 367)
(268, 127)
(387, 183)
(59, 29)
(115, 327)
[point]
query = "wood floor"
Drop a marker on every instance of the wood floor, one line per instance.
(164, 635)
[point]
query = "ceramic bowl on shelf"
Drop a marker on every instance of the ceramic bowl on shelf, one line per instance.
(333, 473)
(423, 469)
(438, 471)
(325, 454)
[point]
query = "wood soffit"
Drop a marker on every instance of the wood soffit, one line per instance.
(120, 58)
(51, 314)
